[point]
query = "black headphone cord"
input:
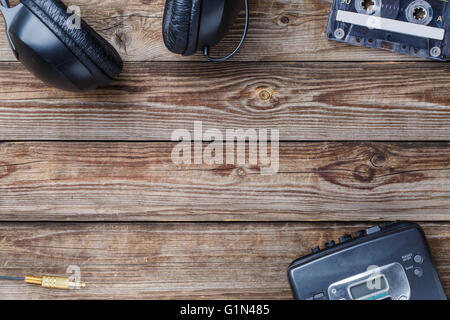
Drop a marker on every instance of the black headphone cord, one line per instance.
(12, 278)
(247, 19)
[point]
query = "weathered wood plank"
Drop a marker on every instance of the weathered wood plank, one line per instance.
(306, 101)
(280, 31)
(173, 261)
(138, 181)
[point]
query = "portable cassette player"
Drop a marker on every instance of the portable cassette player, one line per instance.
(390, 262)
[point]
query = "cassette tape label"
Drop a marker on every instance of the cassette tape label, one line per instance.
(416, 27)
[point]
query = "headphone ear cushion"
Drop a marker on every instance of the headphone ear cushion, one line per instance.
(181, 25)
(84, 42)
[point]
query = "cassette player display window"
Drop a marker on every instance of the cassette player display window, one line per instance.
(388, 282)
(364, 289)
(415, 27)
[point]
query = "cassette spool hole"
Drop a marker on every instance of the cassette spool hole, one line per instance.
(419, 13)
(368, 5)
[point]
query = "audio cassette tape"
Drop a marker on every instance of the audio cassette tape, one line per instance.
(416, 27)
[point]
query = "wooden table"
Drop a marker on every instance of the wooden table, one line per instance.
(87, 179)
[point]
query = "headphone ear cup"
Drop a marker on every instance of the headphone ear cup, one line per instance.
(181, 25)
(83, 42)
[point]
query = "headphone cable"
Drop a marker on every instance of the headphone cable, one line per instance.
(12, 278)
(247, 19)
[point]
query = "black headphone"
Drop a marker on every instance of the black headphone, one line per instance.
(73, 59)
(192, 25)
(79, 59)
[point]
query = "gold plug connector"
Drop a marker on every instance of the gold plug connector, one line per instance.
(54, 282)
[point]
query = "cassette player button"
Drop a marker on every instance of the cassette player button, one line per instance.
(418, 259)
(360, 233)
(418, 272)
(345, 238)
(373, 230)
(330, 244)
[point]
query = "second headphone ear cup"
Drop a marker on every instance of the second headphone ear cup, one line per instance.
(84, 42)
(181, 25)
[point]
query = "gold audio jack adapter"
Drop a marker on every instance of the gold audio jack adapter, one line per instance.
(48, 282)
(54, 282)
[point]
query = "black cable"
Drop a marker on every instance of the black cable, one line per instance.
(12, 278)
(206, 48)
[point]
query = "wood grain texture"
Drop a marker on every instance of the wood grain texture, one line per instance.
(138, 181)
(305, 101)
(280, 30)
(174, 261)
(105, 198)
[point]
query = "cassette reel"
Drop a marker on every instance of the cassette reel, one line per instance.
(416, 27)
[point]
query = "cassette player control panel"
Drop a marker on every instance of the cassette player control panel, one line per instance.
(389, 262)
(416, 27)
